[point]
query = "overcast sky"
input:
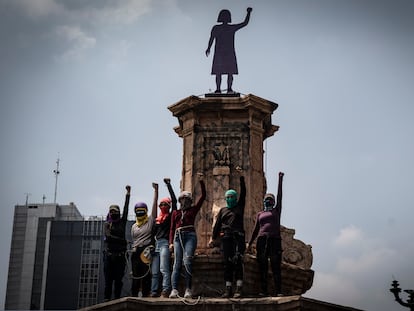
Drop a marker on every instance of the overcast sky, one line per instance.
(90, 82)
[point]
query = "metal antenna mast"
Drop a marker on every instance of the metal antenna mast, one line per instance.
(27, 198)
(56, 172)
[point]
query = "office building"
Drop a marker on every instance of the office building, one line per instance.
(55, 259)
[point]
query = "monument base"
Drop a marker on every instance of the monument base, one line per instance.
(208, 277)
(288, 303)
(232, 94)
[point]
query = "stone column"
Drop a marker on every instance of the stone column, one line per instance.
(223, 139)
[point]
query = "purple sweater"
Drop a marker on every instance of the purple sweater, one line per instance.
(268, 222)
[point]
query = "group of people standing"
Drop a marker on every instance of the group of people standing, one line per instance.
(172, 230)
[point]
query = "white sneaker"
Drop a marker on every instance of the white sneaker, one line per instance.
(174, 293)
(188, 293)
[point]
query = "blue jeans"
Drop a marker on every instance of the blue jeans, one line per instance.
(161, 263)
(185, 244)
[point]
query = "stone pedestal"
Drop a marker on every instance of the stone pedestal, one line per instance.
(223, 139)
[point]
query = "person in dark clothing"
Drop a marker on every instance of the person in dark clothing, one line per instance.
(230, 227)
(183, 238)
(224, 60)
(161, 257)
(115, 248)
(269, 242)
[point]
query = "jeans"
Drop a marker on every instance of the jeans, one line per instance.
(161, 263)
(185, 244)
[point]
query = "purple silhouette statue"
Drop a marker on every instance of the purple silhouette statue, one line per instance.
(224, 61)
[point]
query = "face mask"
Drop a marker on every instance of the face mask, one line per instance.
(115, 216)
(185, 203)
(140, 212)
(231, 202)
(141, 218)
(268, 205)
(231, 198)
(165, 209)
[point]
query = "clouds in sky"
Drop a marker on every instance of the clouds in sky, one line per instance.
(77, 22)
(36, 9)
(78, 42)
(360, 262)
(99, 13)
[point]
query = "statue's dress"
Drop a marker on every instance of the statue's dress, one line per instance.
(224, 61)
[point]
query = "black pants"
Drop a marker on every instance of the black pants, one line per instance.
(269, 248)
(114, 269)
(233, 251)
(141, 274)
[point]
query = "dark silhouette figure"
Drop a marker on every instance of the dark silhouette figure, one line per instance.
(224, 61)
(115, 248)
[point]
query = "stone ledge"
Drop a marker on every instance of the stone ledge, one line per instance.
(287, 303)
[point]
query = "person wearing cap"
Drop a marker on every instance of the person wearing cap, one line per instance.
(183, 238)
(115, 248)
(141, 233)
(224, 60)
(269, 242)
(229, 226)
(161, 256)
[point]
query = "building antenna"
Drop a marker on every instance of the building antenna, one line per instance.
(56, 172)
(27, 198)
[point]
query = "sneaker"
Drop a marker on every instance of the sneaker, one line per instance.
(164, 294)
(238, 292)
(153, 295)
(174, 293)
(188, 293)
(227, 292)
